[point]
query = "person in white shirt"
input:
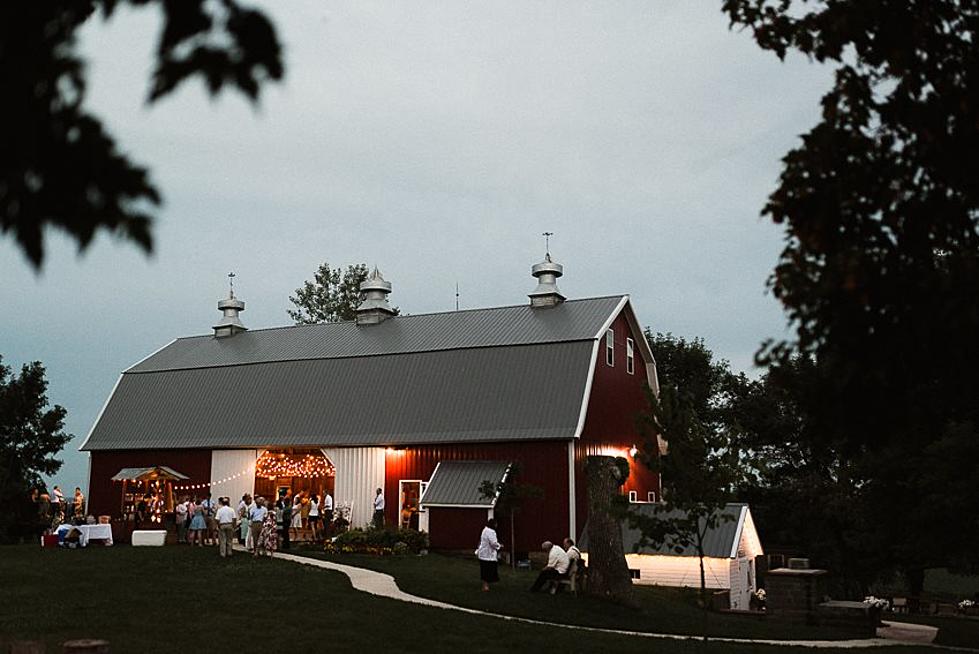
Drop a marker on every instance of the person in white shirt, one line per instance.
(489, 546)
(180, 515)
(327, 510)
(256, 516)
(314, 517)
(244, 508)
(225, 518)
(379, 509)
(557, 565)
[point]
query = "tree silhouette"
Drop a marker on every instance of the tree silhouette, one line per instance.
(59, 167)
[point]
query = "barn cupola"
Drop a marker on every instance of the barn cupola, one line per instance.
(231, 306)
(375, 308)
(546, 294)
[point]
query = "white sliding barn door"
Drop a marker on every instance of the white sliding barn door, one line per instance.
(359, 473)
(238, 468)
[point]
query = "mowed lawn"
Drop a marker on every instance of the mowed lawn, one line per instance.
(455, 580)
(189, 600)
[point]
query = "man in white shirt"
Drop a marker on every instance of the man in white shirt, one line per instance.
(557, 565)
(225, 517)
(379, 509)
(180, 515)
(327, 510)
(256, 516)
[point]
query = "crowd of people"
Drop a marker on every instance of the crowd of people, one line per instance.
(54, 509)
(563, 562)
(262, 526)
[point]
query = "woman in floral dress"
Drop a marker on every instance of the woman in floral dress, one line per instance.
(269, 540)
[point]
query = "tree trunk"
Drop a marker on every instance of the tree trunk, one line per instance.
(608, 572)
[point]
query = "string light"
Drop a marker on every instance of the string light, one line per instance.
(271, 466)
(215, 482)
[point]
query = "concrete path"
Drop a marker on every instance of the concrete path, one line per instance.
(383, 585)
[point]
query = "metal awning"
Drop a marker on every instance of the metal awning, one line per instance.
(457, 483)
(149, 474)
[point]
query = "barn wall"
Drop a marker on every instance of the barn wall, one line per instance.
(455, 529)
(542, 463)
(230, 464)
(359, 473)
(104, 495)
(617, 399)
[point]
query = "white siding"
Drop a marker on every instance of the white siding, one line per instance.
(359, 472)
(665, 570)
(231, 463)
(742, 583)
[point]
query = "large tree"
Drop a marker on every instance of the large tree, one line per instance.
(702, 467)
(880, 270)
(59, 167)
(31, 434)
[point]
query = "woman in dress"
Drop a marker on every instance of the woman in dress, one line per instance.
(269, 538)
(198, 525)
(314, 517)
(489, 546)
(297, 516)
(244, 518)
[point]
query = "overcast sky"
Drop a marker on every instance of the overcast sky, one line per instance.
(436, 141)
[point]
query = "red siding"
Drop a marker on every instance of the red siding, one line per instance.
(105, 495)
(455, 529)
(617, 399)
(542, 463)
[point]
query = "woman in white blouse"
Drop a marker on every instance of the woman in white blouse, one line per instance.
(489, 546)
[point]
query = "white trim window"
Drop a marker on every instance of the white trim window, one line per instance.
(651, 496)
(610, 347)
(630, 357)
(633, 497)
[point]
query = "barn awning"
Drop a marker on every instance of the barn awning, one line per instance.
(149, 474)
(457, 484)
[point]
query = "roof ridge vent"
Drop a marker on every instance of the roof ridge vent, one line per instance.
(231, 306)
(546, 294)
(374, 308)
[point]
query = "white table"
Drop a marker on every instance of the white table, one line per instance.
(88, 532)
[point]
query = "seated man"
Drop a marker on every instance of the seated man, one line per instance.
(556, 568)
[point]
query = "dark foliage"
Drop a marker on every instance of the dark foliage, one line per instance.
(880, 271)
(59, 167)
(30, 435)
(332, 296)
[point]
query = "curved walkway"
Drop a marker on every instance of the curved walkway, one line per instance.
(383, 585)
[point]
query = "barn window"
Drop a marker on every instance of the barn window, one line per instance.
(651, 496)
(633, 496)
(630, 357)
(634, 573)
(610, 347)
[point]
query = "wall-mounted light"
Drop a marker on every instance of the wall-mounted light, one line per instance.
(633, 451)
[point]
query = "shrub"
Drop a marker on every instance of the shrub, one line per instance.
(379, 541)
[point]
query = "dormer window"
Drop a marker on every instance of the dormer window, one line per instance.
(610, 347)
(630, 357)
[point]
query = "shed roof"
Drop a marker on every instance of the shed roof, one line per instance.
(486, 375)
(720, 542)
(457, 483)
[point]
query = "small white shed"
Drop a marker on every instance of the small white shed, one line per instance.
(729, 564)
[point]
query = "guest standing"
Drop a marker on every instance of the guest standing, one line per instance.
(256, 523)
(180, 515)
(269, 537)
(296, 516)
(283, 515)
(379, 509)
(327, 510)
(198, 525)
(488, 556)
(244, 509)
(225, 518)
(79, 503)
(314, 517)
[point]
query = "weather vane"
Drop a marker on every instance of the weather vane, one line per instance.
(231, 282)
(547, 241)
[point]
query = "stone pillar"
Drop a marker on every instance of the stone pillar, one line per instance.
(795, 593)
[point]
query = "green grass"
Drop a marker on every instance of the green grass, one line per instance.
(178, 599)
(664, 610)
(952, 631)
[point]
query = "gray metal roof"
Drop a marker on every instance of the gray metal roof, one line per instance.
(719, 541)
(154, 472)
(523, 392)
(457, 483)
(574, 320)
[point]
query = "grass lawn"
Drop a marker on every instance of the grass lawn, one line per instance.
(954, 632)
(666, 610)
(189, 600)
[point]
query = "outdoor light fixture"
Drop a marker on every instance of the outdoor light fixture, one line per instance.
(633, 451)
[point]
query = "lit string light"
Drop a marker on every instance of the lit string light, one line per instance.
(272, 466)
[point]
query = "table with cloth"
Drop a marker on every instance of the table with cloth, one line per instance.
(88, 532)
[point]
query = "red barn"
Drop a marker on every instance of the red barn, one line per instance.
(381, 401)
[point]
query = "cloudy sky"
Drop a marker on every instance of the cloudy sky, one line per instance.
(437, 141)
